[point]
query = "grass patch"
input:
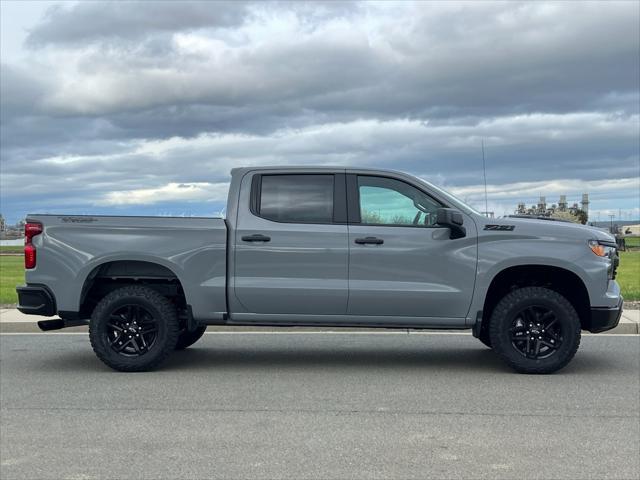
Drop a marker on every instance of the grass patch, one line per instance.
(632, 242)
(12, 249)
(629, 275)
(11, 274)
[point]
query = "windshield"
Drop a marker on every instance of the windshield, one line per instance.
(453, 199)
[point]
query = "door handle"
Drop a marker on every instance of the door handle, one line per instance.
(256, 237)
(369, 240)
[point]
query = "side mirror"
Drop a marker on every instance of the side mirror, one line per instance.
(452, 218)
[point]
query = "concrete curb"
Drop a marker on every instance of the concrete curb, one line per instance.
(12, 321)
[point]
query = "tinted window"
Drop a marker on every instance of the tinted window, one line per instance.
(385, 201)
(297, 198)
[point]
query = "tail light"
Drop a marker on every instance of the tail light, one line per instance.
(30, 231)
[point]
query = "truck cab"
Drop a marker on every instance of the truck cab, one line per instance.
(347, 247)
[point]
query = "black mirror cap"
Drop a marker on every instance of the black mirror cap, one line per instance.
(449, 216)
(452, 218)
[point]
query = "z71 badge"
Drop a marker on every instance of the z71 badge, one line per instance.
(502, 228)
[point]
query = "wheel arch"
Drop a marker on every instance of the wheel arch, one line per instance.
(113, 273)
(561, 280)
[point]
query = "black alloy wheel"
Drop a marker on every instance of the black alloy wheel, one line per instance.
(134, 328)
(536, 332)
(131, 330)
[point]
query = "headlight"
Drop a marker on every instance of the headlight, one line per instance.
(608, 250)
(602, 249)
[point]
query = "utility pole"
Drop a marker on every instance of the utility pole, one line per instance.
(611, 217)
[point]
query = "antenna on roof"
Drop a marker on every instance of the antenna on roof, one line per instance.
(484, 173)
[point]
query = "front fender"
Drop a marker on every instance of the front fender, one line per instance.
(497, 255)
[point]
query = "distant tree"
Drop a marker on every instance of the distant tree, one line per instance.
(401, 220)
(583, 217)
(566, 216)
(373, 218)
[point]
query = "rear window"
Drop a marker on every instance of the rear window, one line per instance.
(297, 198)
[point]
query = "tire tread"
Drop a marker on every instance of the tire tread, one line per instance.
(187, 338)
(522, 364)
(161, 303)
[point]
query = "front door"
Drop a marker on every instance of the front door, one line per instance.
(291, 247)
(401, 262)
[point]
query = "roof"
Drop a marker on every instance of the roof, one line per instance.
(322, 168)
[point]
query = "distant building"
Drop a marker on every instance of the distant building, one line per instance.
(585, 203)
(561, 210)
(562, 204)
(9, 232)
(632, 229)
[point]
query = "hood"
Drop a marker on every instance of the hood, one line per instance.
(542, 227)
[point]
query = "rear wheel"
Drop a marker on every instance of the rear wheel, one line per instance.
(485, 338)
(188, 338)
(133, 328)
(535, 330)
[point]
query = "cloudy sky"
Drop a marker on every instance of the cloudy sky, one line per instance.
(143, 108)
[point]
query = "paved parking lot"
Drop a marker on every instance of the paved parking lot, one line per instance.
(318, 405)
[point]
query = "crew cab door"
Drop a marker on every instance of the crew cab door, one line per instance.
(291, 246)
(401, 262)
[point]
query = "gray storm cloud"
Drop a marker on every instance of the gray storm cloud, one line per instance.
(120, 21)
(140, 96)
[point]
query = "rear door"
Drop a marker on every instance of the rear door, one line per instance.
(291, 246)
(401, 262)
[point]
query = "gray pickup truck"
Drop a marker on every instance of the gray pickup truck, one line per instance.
(338, 247)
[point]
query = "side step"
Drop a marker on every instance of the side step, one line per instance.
(59, 323)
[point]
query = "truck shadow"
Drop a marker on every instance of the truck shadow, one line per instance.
(473, 359)
(274, 359)
(430, 359)
(296, 359)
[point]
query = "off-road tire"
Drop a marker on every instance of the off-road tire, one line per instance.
(485, 338)
(187, 338)
(507, 309)
(164, 314)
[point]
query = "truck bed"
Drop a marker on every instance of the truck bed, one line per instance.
(74, 248)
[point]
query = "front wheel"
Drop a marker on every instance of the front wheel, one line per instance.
(133, 328)
(535, 330)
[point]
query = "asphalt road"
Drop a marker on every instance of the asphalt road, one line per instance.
(318, 406)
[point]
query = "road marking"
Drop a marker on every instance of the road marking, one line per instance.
(400, 332)
(333, 332)
(252, 332)
(44, 333)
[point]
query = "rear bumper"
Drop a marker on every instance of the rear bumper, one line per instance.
(36, 300)
(603, 319)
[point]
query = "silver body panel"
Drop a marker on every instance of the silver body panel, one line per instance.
(417, 272)
(302, 270)
(71, 247)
